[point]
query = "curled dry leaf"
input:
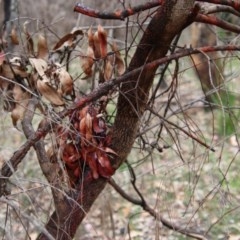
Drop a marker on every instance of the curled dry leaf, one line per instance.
(21, 99)
(65, 80)
(14, 36)
(108, 70)
(118, 61)
(12, 69)
(102, 40)
(87, 62)
(42, 47)
(91, 38)
(39, 65)
(30, 45)
(2, 57)
(69, 40)
(96, 48)
(49, 93)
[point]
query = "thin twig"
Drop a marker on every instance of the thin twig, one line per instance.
(153, 213)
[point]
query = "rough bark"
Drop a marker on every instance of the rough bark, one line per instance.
(169, 20)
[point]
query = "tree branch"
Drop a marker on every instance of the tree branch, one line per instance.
(219, 8)
(232, 3)
(118, 14)
(152, 212)
(217, 22)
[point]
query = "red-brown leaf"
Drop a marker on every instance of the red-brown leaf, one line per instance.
(102, 38)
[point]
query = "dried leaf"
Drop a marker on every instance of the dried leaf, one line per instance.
(90, 38)
(49, 93)
(2, 57)
(98, 127)
(108, 70)
(82, 127)
(42, 48)
(87, 62)
(68, 40)
(96, 48)
(39, 65)
(92, 163)
(104, 167)
(30, 45)
(66, 82)
(109, 150)
(102, 38)
(88, 122)
(14, 36)
(118, 61)
(21, 98)
(12, 69)
(17, 114)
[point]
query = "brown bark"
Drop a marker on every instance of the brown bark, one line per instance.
(169, 20)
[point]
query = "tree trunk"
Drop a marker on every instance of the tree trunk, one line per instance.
(171, 18)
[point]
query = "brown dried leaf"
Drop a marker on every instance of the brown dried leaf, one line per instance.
(15, 69)
(97, 126)
(104, 167)
(96, 48)
(42, 48)
(17, 114)
(30, 44)
(92, 163)
(14, 36)
(68, 40)
(118, 61)
(49, 93)
(88, 122)
(87, 62)
(66, 82)
(21, 98)
(108, 70)
(82, 127)
(39, 65)
(2, 57)
(109, 150)
(102, 38)
(90, 38)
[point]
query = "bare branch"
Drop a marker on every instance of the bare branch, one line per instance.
(217, 22)
(232, 3)
(118, 14)
(152, 212)
(218, 8)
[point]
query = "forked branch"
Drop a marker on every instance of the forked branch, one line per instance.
(142, 203)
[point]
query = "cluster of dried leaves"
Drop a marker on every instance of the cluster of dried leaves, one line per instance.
(85, 144)
(40, 73)
(97, 50)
